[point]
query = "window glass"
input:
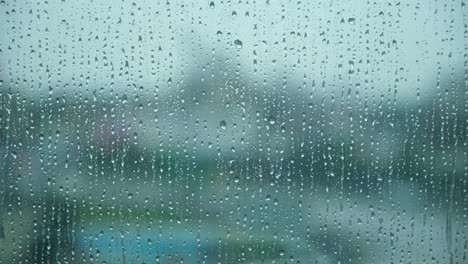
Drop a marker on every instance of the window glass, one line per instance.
(249, 131)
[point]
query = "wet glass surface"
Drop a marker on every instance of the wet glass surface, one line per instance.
(233, 131)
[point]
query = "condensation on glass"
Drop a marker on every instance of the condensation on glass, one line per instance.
(233, 131)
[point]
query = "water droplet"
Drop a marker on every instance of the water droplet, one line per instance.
(272, 120)
(238, 43)
(222, 124)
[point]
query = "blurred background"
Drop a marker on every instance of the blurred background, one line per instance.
(233, 131)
